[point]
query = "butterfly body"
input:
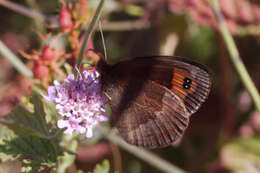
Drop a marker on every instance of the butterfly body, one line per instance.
(152, 98)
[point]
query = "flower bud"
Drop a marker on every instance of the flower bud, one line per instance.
(48, 53)
(244, 101)
(66, 21)
(81, 11)
(40, 70)
(246, 130)
(90, 44)
(255, 120)
(245, 13)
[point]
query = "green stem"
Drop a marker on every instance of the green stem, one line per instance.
(89, 31)
(253, 30)
(39, 24)
(145, 155)
(17, 63)
(234, 54)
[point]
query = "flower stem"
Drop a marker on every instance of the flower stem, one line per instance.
(15, 61)
(234, 54)
(147, 156)
(89, 32)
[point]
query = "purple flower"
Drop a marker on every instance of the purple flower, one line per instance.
(80, 103)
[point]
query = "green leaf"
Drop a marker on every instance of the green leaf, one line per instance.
(203, 44)
(51, 111)
(34, 152)
(250, 144)
(242, 155)
(39, 113)
(103, 167)
(25, 123)
(5, 133)
(134, 10)
(67, 159)
(80, 171)
(237, 159)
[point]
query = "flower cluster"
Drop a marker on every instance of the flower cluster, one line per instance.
(80, 102)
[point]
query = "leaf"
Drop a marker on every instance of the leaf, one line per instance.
(5, 134)
(35, 152)
(104, 167)
(51, 111)
(67, 159)
(25, 123)
(242, 155)
(250, 144)
(239, 160)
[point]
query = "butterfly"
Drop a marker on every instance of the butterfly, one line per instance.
(152, 98)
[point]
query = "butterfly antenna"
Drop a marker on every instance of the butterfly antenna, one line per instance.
(102, 37)
(108, 96)
(77, 70)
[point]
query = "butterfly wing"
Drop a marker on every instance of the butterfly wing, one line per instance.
(152, 97)
(154, 118)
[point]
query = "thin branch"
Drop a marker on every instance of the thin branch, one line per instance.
(22, 10)
(145, 155)
(234, 54)
(126, 25)
(107, 26)
(13, 59)
(249, 30)
(89, 31)
(103, 39)
(117, 159)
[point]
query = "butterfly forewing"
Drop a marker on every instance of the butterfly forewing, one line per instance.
(152, 97)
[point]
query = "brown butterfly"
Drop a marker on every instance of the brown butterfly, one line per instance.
(152, 98)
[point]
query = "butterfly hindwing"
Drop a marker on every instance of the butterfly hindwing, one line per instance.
(154, 118)
(152, 97)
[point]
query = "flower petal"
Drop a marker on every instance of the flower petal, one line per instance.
(79, 101)
(71, 77)
(69, 131)
(81, 129)
(89, 133)
(56, 83)
(52, 91)
(62, 123)
(45, 97)
(103, 117)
